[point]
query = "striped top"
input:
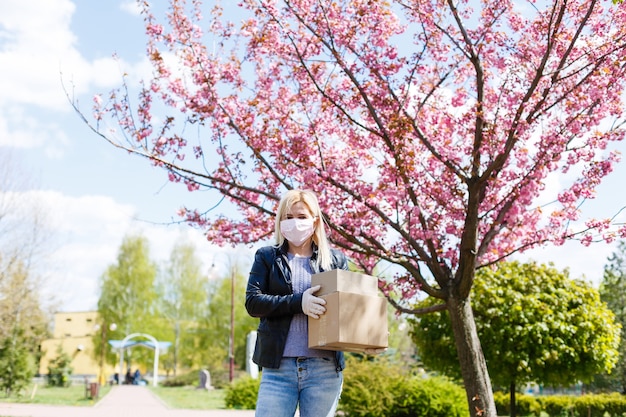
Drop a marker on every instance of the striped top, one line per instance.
(298, 336)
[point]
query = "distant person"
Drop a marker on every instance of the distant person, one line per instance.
(136, 377)
(129, 378)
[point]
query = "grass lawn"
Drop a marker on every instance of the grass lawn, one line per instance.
(177, 398)
(36, 394)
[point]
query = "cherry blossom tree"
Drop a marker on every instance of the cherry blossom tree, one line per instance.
(429, 129)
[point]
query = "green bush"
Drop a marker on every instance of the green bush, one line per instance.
(219, 379)
(183, 380)
(601, 405)
(426, 396)
(591, 405)
(526, 405)
(369, 388)
(376, 388)
(380, 388)
(241, 393)
(59, 369)
(614, 404)
(17, 365)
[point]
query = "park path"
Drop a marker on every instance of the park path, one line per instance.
(121, 401)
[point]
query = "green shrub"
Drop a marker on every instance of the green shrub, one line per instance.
(526, 405)
(189, 379)
(242, 392)
(17, 365)
(556, 405)
(591, 405)
(601, 405)
(369, 388)
(376, 388)
(59, 369)
(219, 378)
(424, 396)
(380, 388)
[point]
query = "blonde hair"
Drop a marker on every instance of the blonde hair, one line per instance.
(291, 197)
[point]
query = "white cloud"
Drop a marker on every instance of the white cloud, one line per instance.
(131, 7)
(39, 58)
(87, 233)
(21, 129)
(35, 35)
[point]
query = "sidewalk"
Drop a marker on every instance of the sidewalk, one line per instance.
(121, 401)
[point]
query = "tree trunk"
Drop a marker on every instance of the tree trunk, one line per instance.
(512, 404)
(471, 358)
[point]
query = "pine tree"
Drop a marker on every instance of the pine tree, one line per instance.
(613, 292)
(16, 364)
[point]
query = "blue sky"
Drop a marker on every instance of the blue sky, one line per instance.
(95, 194)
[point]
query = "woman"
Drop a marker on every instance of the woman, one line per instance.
(279, 293)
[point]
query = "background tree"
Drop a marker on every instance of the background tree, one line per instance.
(21, 306)
(214, 326)
(182, 293)
(60, 369)
(613, 292)
(127, 298)
(24, 312)
(429, 129)
(17, 363)
(535, 325)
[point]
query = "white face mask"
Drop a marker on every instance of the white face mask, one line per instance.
(297, 231)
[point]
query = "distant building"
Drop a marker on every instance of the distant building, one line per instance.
(74, 333)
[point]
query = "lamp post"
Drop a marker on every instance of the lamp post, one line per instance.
(103, 333)
(231, 336)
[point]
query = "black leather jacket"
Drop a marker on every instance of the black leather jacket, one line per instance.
(270, 297)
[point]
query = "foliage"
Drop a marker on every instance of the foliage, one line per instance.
(23, 324)
(382, 388)
(525, 405)
(60, 369)
(601, 405)
(24, 243)
(369, 388)
(17, 365)
(127, 298)
(214, 325)
(182, 380)
(242, 393)
(176, 303)
(535, 325)
(429, 397)
(182, 294)
(588, 405)
(538, 325)
(428, 129)
(613, 292)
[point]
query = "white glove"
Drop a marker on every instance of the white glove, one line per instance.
(313, 306)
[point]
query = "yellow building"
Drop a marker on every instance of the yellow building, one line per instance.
(74, 333)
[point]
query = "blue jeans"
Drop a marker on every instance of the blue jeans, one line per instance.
(312, 383)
